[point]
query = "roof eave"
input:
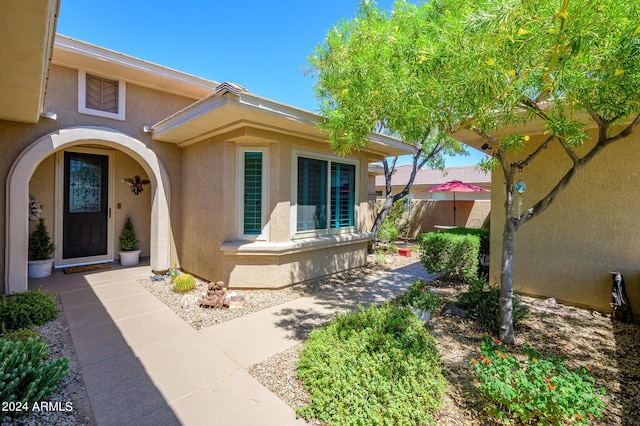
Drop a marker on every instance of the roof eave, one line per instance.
(221, 111)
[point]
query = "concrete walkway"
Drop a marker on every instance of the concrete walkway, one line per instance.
(142, 364)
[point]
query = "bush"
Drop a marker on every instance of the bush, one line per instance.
(128, 240)
(24, 377)
(378, 366)
(20, 335)
(395, 223)
(418, 296)
(40, 245)
(483, 304)
(455, 252)
(25, 310)
(537, 392)
(388, 232)
(183, 283)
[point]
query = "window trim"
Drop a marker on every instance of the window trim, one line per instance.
(82, 97)
(264, 234)
(295, 234)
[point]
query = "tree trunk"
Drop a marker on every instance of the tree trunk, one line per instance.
(506, 282)
(382, 214)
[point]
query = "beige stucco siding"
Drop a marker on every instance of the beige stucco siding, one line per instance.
(143, 107)
(211, 216)
(281, 271)
(590, 229)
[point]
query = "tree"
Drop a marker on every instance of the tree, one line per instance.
(571, 66)
(496, 68)
(366, 84)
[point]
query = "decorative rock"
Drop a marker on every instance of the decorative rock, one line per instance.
(455, 311)
(188, 302)
(215, 297)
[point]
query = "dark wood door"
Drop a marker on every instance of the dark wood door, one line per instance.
(86, 207)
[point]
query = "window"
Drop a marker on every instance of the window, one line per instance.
(101, 96)
(325, 194)
(252, 193)
(252, 198)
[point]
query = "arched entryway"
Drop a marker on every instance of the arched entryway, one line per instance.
(17, 226)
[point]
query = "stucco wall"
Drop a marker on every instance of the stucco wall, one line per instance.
(588, 231)
(207, 182)
(144, 107)
(427, 214)
(210, 217)
(281, 271)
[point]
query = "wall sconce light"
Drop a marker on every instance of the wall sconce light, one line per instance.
(136, 184)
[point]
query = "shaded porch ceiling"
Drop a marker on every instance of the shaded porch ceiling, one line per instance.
(27, 29)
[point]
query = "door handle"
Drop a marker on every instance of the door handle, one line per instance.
(109, 212)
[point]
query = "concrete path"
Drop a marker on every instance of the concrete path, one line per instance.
(142, 364)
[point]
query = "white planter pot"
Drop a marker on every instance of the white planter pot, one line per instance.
(129, 258)
(423, 315)
(40, 268)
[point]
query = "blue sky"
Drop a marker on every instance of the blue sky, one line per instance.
(260, 45)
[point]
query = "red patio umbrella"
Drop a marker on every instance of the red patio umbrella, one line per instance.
(456, 186)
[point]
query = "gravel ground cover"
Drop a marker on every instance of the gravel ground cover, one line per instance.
(70, 389)
(581, 336)
(584, 337)
(256, 300)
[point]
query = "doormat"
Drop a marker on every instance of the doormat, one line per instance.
(86, 268)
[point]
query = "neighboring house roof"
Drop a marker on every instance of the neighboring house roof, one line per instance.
(425, 176)
(26, 31)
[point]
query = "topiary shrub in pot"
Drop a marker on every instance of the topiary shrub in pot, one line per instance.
(129, 252)
(40, 251)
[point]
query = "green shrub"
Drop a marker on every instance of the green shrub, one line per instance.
(40, 245)
(395, 223)
(128, 240)
(483, 304)
(537, 391)
(388, 232)
(24, 377)
(454, 253)
(378, 366)
(183, 283)
(419, 297)
(20, 335)
(24, 310)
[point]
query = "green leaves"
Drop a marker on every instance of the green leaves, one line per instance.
(379, 366)
(24, 377)
(535, 390)
(24, 310)
(380, 68)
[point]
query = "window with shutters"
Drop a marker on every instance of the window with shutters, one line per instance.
(101, 96)
(325, 194)
(252, 193)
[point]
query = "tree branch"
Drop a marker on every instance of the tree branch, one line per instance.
(578, 164)
(535, 153)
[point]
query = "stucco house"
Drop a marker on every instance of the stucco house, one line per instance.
(242, 189)
(430, 210)
(589, 231)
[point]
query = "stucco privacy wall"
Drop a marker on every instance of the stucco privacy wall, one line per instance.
(592, 228)
(144, 107)
(427, 214)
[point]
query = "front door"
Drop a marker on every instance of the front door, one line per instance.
(85, 213)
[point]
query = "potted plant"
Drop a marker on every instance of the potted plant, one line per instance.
(40, 251)
(420, 300)
(129, 252)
